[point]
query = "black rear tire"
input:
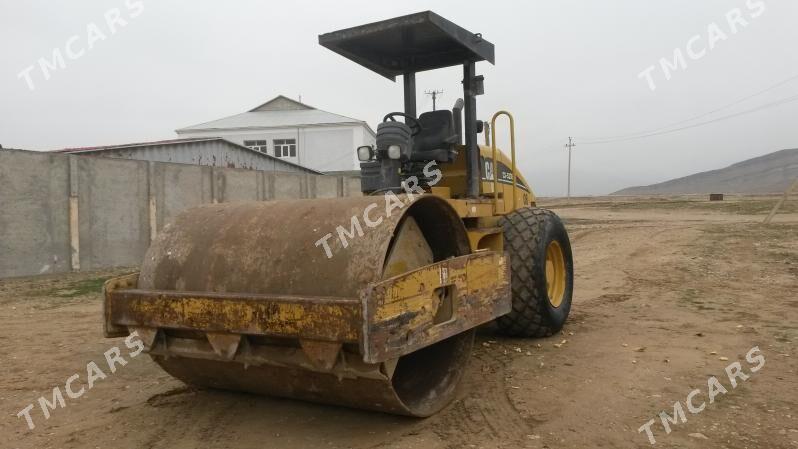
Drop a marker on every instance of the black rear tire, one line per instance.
(528, 232)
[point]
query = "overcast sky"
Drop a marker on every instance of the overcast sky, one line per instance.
(564, 68)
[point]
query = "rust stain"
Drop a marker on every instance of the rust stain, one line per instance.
(400, 318)
(329, 319)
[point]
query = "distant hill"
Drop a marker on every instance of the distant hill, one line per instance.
(770, 173)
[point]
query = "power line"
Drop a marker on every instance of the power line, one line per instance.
(570, 145)
(434, 94)
(727, 106)
(695, 125)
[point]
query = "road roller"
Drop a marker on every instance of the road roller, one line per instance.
(369, 301)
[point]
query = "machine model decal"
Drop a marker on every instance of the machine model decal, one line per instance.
(505, 174)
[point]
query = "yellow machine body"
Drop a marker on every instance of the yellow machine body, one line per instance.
(502, 190)
(368, 302)
(225, 300)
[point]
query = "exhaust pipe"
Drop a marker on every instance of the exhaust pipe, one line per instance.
(457, 114)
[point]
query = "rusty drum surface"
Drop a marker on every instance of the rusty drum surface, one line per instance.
(278, 248)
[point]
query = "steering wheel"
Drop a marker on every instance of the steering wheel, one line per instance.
(412, 122)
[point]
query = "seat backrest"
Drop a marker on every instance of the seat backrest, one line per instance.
(438, 131)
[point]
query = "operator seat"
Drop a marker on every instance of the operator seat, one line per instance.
(436, 140)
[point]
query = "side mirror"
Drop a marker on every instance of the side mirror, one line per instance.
(480, 126)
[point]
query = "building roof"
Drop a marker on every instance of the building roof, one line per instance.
(135, 144)
(142, 145)
(279, 112)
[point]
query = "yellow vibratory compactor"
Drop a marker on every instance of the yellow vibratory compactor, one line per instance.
(446, 237)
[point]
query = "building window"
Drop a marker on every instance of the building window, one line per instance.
(257, 145)
(285, 147)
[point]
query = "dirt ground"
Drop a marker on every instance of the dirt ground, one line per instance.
(668, 292)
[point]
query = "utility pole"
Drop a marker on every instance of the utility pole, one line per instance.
(434, 94)
(570, 146)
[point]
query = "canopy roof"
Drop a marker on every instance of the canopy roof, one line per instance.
(412, 43)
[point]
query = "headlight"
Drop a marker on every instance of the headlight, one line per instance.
(364, 153)
(394, 151)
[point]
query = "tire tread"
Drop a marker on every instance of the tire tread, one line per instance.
(522, 236)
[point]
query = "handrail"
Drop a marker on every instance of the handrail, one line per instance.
(495, 162)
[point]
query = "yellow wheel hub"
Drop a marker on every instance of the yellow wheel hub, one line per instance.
(555, 273)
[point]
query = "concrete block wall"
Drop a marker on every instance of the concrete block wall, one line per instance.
(61, 213)
(178, 187)
(34, 213)
(113, 199)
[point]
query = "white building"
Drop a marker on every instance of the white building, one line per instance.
(294, 132)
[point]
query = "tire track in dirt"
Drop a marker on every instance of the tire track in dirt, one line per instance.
(485, 412)
(215, 428)
(169, 428)
(207, 425)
